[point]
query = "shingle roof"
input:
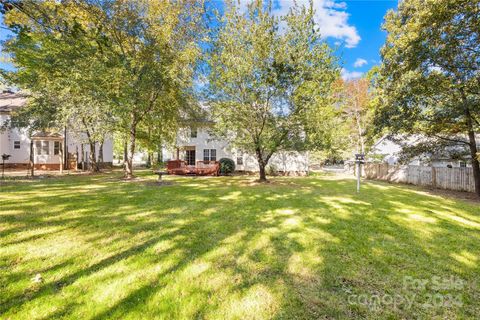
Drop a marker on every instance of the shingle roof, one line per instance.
(10, 101)
(46, 134)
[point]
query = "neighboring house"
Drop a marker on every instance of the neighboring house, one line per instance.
(389, 151)
(197, 144)
(47, 146)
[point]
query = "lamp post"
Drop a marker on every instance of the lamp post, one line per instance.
(4, 157)
(359, 159)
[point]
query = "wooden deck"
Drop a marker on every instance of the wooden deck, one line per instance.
(202, 168)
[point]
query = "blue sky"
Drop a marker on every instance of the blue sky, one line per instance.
(352, 25)
(366, 17)
(3, 35)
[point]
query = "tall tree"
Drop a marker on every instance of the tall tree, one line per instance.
(357, 100)
(57, 62)
(269, 77)
(142, 54)
(153, 47)
(430, 74)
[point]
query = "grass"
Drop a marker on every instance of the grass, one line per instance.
(226, 248)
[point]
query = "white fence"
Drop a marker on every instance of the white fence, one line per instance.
(459, 179)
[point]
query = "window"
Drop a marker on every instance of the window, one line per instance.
(42, 147)
(38, 147)
(240, 160)
(16, 144)
(463, 164)
(57, 147)
(209, 154)
(193, 132)
(45, 147)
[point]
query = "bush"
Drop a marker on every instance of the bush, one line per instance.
(271, 170)
(227, 166)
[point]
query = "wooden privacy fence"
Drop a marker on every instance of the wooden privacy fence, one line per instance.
(458, 179)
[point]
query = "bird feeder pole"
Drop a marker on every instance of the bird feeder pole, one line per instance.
(359, 159)
(4, 157)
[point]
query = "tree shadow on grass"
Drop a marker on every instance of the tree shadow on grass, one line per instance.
(301, 249)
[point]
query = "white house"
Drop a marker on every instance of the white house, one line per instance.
(389, 152)
(47, 146)
(198, 144)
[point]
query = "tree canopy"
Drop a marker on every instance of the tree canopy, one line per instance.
(270, 80)
(430, 76)
(130, 62)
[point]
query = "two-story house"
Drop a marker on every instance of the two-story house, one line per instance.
(198, 144)
(48, 147)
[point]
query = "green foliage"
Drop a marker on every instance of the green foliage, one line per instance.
(429, 78)
(430, 60)
(227, 166)
(271, 80)
(108, 65)
(271, 169)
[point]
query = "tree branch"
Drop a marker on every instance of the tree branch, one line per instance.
(451, 140)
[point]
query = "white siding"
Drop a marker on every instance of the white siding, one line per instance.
(282, 161)
(75, 146)
(22, 155)
(7, 138)
(389, 150)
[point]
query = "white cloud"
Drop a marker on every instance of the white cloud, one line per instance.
(349, 75)
(360, 62)
(330, 16)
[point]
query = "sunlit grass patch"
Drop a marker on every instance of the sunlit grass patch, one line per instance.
(93, 247)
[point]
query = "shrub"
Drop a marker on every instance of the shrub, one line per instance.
(227, 166)
(271, 170)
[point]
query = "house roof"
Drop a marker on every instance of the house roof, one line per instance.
(411, 140)
(47, 134)
(10, 101)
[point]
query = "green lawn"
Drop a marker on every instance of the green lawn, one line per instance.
(227, 248)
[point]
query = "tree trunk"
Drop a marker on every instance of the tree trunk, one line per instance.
(32, 159)
(93, 158)
(360, 135)
(261, 164)
(475, 162)
(65, 149)
(159, 155)
(133, 136)
(361, 142)
(473, 145)
(60, 157)
(125, 154)
(100, 154)
(263, 175)
(149, 153)
(83, 156)
(149, 160)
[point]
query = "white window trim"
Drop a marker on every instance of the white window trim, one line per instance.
(40, 147)
(60, 148)
(207, 155)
